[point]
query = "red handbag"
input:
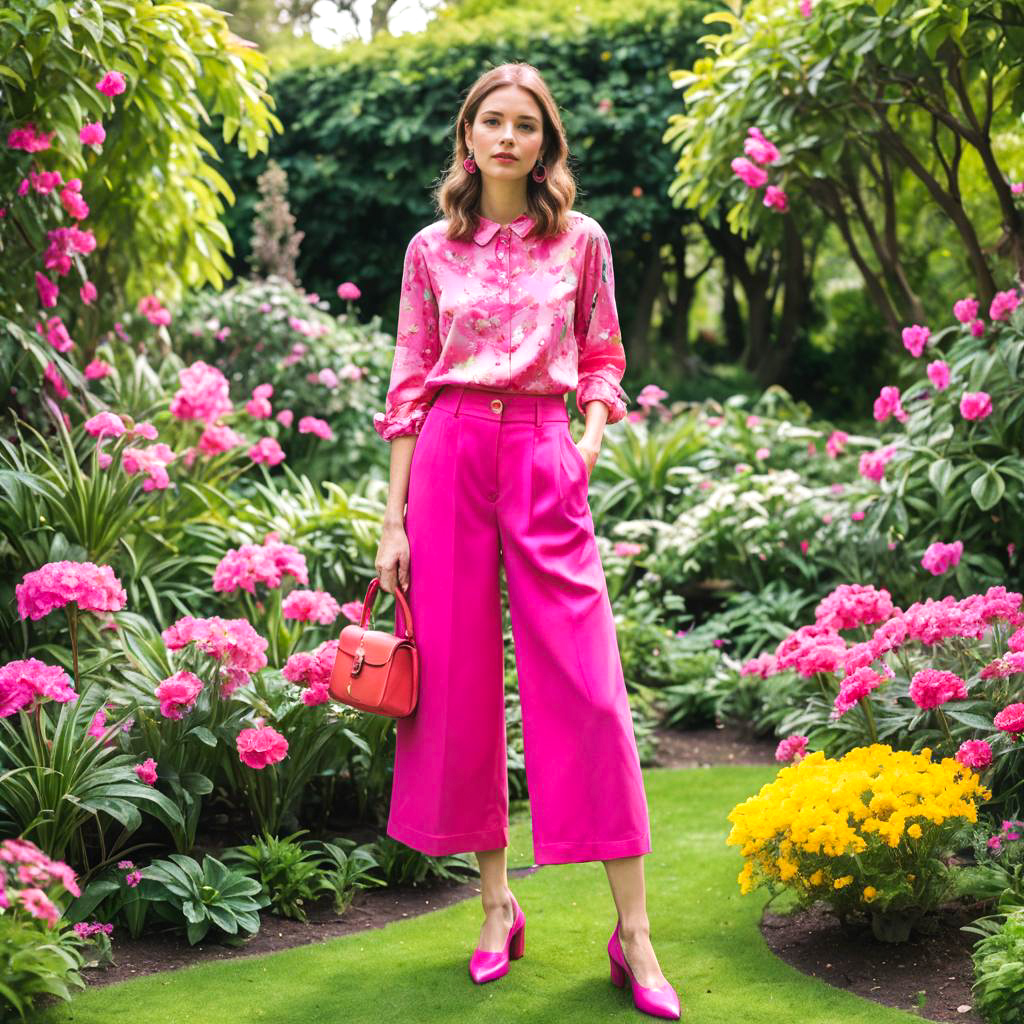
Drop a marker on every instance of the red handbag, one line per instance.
(374, 670)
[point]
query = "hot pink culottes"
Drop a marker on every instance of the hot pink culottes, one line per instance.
(496, 478)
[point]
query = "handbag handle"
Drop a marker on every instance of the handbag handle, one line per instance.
(370, 599)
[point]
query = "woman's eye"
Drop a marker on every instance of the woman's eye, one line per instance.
(494, 120)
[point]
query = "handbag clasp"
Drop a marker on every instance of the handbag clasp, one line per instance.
(357, 661)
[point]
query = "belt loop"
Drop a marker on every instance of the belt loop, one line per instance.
(458, 401)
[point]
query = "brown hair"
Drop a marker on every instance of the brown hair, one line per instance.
(458, 196)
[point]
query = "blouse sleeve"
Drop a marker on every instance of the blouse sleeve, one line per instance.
(602, 359)
(416, 350)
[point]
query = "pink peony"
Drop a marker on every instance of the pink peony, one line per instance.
(792, 748)
(748, 172)
(975, 405)
(1003, 305)
(244, 567)
(266, 450)
(834, 445)
(92, 133)
(938, 374)
(976, 754)
(931, 687)
(111, 84)
(94, 588)
(310, 606)
(888, 404)
(347, 290)
(940, 558)
(915, 338)
(23, 680)
(1010, 719)
(965, 310)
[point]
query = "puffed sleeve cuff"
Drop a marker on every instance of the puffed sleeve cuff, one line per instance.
(593, 386)
(407, 419)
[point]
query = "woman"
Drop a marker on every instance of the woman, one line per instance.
(507, 305)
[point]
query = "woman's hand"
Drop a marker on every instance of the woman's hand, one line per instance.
(590, 451)
(392, 560)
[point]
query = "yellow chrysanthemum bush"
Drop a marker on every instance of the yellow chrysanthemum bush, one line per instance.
(863, 833)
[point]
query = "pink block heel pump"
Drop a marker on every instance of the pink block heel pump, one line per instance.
(659, 1002)
(487, 966)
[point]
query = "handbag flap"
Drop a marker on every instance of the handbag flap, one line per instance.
(378, 645)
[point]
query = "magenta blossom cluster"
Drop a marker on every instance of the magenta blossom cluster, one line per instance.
(853, 604)
(312, 670)
(261, 746)
(85, 930)
(22, 681)
(232, 642)
(310, 606)
(202, 395)
(25, 873)
(931, 687)
(265, 563)
(760, 151)
(976, 754)
(178, 693)
(1011, 831)
(93, 588)
(939, 558)
(888, 403)
(872, 464)
(792, 748)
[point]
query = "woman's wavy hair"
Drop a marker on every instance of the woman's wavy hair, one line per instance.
(457, 198)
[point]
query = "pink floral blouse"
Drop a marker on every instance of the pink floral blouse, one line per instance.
(505, 312)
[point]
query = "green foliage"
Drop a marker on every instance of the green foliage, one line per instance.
(34, 962)
(402, 865)
(154, 195)
(346, 869)
(998, 988)
(211, 896)
(287, 872)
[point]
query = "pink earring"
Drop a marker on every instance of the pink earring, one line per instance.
(469, 163)
(538, 173)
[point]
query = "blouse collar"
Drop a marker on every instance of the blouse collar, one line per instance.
(486, 228)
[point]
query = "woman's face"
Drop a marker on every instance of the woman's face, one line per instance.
(508, 121)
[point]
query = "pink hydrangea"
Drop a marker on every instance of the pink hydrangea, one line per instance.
(265, 563)
(915, 338)
(792, 748)
(940, 558)
(976, 754)
(975, 405)
(259, 405)
(810, 649)
(352, 610)
(1010, 719)
(261, 746)
(931, 687)
(938, 374)
(310, 606)
(94, 588)
(178, 693)
(285, 417)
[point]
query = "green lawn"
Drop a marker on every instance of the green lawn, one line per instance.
(704, 931)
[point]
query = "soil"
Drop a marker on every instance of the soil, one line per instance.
(812, 941)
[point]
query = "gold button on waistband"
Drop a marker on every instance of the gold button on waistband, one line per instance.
(496, 405)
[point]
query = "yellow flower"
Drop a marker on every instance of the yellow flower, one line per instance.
(842, 883)
(817, 877)
(870, 892)
(606, 55)
(914, 831)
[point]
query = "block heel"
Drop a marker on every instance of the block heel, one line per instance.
(518, 946)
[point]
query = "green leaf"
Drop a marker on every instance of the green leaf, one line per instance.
(987, 489)
(940, 473)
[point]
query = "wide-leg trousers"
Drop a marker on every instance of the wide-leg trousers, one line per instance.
(497, 479)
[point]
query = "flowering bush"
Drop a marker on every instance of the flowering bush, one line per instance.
(864, 833)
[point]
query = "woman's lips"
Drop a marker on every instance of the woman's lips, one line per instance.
(509, 159)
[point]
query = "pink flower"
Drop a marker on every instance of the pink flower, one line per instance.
(285, 417)
(92, 133)
(38, 904)
(806, 8)
(310, 606)
(758, 148)
(792, 748)
(154, 312)
(347, 290)
(872, 464)
(352, 610)
(764, 665)
(762, 453)
(153, 461)
(23, 680)
(749, 173)
(1010, 719)
(977, 328)
(57, 334)
(753, 420)
(178, 693)
(853, 604)
(834, 445)
(202, 395)
(94, 588)
(313, 425)
(650, 395)
(97, 369)
(244, 567)
(965, 310)
(888, 404)
(938, 374)
(975, 405)
(53, 375)
(47, 290)
(233, 642)
(931, 687)
(72, 201)
(104, 424)
(626, 549)
(976, 754)
(111, 84)
(266, 450)
(915, 338)
(804, 545)
(146, 771)
(217, 438)
(261, 746)
(1003, 305)
(27, 139)
(940, 558)
(853, 688)
(776, 197)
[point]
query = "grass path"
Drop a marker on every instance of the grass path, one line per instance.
(705, 933)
